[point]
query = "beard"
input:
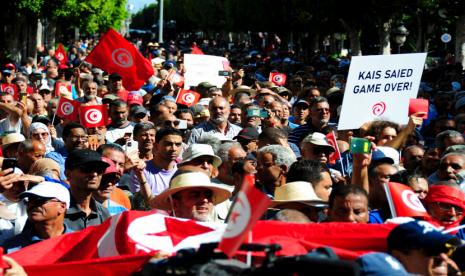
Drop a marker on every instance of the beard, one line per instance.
(218, 120)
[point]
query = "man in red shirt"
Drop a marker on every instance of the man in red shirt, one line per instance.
(116, 86)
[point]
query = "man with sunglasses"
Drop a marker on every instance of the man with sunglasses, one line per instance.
(46, 205)
(445, 203)
(84, 169)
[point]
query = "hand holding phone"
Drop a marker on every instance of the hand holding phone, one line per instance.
(360, 145)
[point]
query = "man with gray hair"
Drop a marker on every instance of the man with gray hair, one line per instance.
(448, 138)
(230, 153)
(451, 167)
(274, 162)
(218, 122)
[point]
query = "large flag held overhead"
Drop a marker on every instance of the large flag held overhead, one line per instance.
(121, 244)
(115, 54)
(403, 201)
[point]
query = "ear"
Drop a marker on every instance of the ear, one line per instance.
(67, 174)
(284, 169)
(62, 208)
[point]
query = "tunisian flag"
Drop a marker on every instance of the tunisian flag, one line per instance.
(278, 78)
(115, 54)
(60, 54)
(68, 109)
(187, 97)
(333, 157)
(404, 202)
(248, 207)
(124, 242)
(196, 50)
(93, 115)
(175, 78)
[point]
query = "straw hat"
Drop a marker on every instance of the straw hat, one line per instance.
(12, 138)
(296, 192)
(197, 150)
(243, 88)
(189, 180)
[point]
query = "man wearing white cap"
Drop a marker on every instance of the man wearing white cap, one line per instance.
(191, 195)
(200, 156)
(46, 203)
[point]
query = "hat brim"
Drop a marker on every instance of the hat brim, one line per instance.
(249, 91)
(162, 201)
(312, 203)
(216, 160)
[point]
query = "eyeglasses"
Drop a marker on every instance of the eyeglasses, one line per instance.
(45, 92)
(201, 160)
(39, 200)
(447, 207)
(171, 123)
(91, 169)
(40, 134)
(320, 150)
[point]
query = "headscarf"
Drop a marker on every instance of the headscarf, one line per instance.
(36, 126)
(449, 195)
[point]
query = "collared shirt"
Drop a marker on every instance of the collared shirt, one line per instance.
(208, 127)
(27, 237)
(299, 133)
(77, 219)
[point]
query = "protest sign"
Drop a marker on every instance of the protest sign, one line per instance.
(380, 88)
(200, 68)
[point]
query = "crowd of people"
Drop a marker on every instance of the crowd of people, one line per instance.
(59, 177)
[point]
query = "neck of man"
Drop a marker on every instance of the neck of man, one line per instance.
(164, 164)
(145, 154)
(50, 228)
(221, 126)
(82, 198)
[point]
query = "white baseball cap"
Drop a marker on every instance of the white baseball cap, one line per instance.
(49, 190)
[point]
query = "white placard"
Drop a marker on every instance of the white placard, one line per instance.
(380, 88)
(200, 68)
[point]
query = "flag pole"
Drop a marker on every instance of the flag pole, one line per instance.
(55, 113)
(453, 229)
(340, 154)
(389, 198)
(249, 253)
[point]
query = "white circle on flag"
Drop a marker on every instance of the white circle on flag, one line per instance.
(9, 90)
(93, 116)
(60, 56)
(446, 38)
(277, 78)
(412, 201)
(63, 89)
(239, 217)
(188, 98)
(122, 57)
(67, 108)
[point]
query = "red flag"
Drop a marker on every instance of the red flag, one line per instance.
(11, 89)
(68, 109)
(196, 50)
(62, 87)
(336, 155)
(278, 78)
(187, 97)
(93, 115)
(115, 54)
(175, 78)
(60, 54)
(248, 207)
(403, 201)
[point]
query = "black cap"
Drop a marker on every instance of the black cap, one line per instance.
(81, 157)
(249, 133)
(115, 76)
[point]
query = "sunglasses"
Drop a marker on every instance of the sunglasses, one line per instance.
(447, 207)
(320, 150)
(171, 123)
(91, 169)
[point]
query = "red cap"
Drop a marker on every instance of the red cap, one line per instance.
(446, 194)
(135, 98)
(111, 168)
(10, 66)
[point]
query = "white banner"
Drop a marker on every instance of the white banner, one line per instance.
(380, 88)
(200, 68)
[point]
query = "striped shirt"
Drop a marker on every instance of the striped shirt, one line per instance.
(299, 133)
(208, 127)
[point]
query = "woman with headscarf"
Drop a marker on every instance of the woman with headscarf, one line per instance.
(40, 132)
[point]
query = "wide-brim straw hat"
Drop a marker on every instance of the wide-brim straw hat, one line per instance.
(296, 192)
(243, 88)
(189, 180)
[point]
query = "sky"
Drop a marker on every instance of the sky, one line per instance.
(139, 4)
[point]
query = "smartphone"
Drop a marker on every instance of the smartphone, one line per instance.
(23, 98)
(9, 163)
(93, 139)
(360, 145)
(224, 73)
(182, 124)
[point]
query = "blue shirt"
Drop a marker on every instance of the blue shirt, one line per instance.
(27, 237)
(374, 217)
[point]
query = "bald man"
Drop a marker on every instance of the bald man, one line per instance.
(29, 151)
(218, 122)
